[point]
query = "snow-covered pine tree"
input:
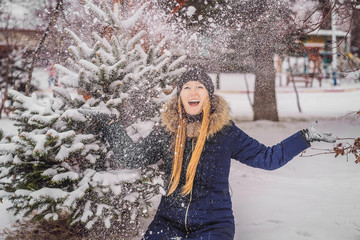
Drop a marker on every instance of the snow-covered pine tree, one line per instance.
(26, 157)
(12, 76)
(58, 163)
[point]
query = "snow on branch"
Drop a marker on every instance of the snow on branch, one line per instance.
(66, 175)
(40, 120)
(112, 17)
(115, 177)
(104, 43)
(53, 193)
(134, 18)
(8, 148)
(353, 75)
(30, 103)
(175, 64)
(89, 66)
(160, 45)
(131, 43)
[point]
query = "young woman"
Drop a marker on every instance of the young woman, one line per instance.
(196, 142)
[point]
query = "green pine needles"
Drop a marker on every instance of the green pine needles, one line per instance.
(58, 164)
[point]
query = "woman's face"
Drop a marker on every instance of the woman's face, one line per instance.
(193, 95)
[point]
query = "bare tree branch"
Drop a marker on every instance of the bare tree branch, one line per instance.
(293, 82)
(53, 19)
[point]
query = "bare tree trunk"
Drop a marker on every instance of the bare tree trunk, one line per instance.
(6, 67)
(248, 92)
(264, 95)
(53, 19)
(355, 33)
(295, 89)
(325, 6)
(218, 80)
(5, 96)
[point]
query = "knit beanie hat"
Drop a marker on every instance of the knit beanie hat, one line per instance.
(196, 74)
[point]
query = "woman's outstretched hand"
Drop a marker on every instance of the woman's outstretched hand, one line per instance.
(311, 135)
(98, 119)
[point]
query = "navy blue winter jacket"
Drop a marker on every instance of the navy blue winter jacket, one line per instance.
(206, 213)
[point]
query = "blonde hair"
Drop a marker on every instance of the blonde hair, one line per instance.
(180, 147)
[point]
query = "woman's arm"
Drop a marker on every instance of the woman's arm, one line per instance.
(133, 155)
(249, 151)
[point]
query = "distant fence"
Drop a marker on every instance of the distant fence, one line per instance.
(292, 91)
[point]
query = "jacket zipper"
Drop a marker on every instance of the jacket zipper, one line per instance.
(188, 206)
(186, 215)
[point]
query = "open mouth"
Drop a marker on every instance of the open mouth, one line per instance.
(194, 103)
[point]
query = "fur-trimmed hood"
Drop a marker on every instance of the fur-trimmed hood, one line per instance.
(218, 118)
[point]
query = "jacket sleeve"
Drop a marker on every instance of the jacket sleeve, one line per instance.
(145, 152)
(250, 152)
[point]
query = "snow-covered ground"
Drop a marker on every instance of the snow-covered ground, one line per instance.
(309, 198)
(313, 198)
